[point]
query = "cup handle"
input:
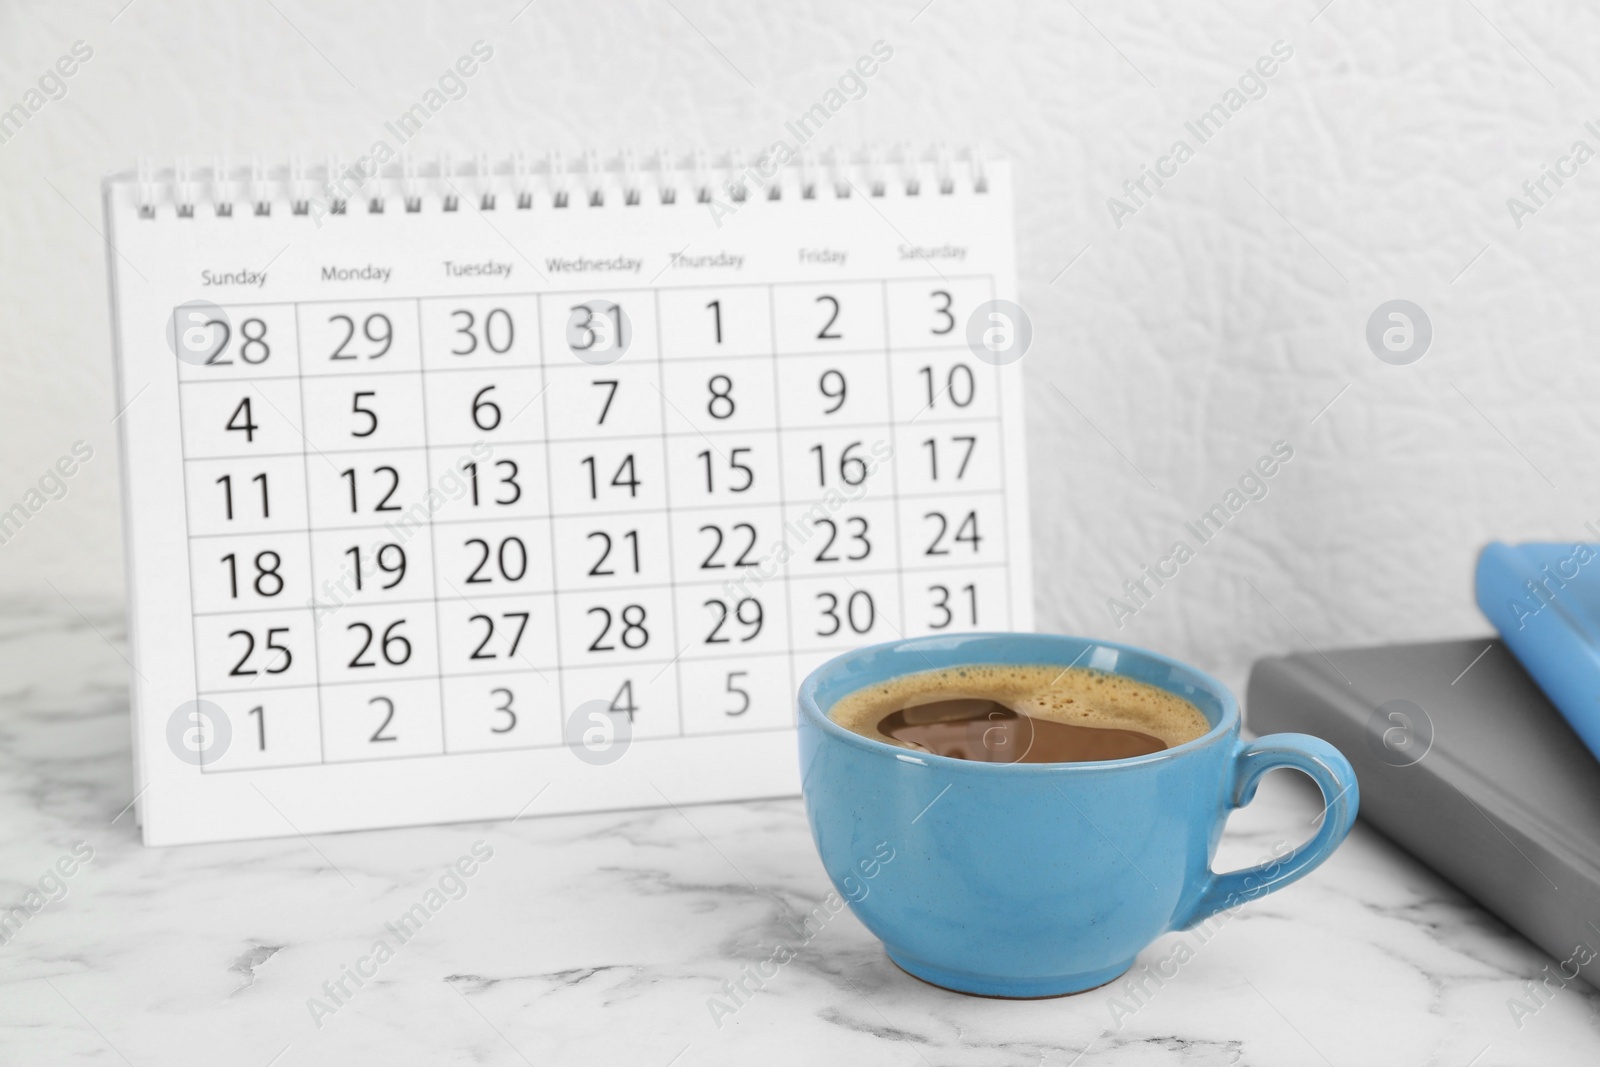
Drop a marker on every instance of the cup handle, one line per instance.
(1341, 796)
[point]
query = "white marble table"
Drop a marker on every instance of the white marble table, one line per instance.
(604, 938)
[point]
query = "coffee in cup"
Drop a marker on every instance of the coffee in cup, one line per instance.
(1022, 714)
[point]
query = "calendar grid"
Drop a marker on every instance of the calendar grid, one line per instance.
(425, 446)
(305, 468)
(670, 434)
(894, 469)
(194, 620)
(783, 494)
(876, 572)
(654, 661)
(666, 490)
(562, 706)
(540, 746)
(598, 514)
(433, 543)
(987, 278)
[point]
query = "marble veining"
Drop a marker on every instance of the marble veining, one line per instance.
(661, 937)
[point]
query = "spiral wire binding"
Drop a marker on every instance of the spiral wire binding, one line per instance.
(443, 183)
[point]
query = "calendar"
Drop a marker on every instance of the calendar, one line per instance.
(472, 491)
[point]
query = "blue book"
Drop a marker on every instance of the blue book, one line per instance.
(1544, 598)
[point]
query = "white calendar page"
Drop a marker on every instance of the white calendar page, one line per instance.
(464, 511)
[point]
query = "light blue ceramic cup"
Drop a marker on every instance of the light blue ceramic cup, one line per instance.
(1038, 879)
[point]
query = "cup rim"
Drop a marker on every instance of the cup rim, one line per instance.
(812, 712)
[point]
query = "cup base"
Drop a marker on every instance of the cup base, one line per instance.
(998, 988)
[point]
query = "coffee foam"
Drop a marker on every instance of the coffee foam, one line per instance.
(1077, 696)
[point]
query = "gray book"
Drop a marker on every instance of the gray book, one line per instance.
(1464, 763)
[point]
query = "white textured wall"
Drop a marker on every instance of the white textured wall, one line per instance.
(1220, 318)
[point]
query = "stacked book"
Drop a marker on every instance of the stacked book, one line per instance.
(1479, 756)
